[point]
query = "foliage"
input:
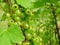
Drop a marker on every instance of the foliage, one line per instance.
(28, 22)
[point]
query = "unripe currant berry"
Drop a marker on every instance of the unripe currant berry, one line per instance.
(26, 43)
(7, 15)
(28, 34)
(19, 22)
(20, 43)
(14, 15)
(14, 7)
(26, 26)
(17, 18)
(41, 30)
(18, 12)
(10, 22)
(12, 1)
(28, 11)
(34, 34)
(48, 4)
(31, 13)
(15, 23)
(40, 39)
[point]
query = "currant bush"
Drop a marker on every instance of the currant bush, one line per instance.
(29, 22)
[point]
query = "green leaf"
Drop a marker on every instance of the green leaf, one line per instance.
(51, 1)
(11, 35)
(58, 10)
(15, 34)
(3, 26)
(4, 40)
(24, 3)
(38, 4)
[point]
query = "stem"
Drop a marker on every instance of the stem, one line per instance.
(23, 32)
(57, 29)
(8, 2)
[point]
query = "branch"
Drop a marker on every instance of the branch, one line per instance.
(57, 29)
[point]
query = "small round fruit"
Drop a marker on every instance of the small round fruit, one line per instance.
(15, 7)
(26, 43)
(17, 18)
(28, 11)
(7, 14)
(18, 12)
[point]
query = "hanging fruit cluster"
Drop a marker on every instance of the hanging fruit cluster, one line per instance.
(36, 24)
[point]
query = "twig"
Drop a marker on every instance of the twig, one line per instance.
(57, 29)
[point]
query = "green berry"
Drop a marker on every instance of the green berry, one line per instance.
(17, 18)
(26, 43)
(28, 11)
(7, 14)
(15, 7)
(18, 12)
